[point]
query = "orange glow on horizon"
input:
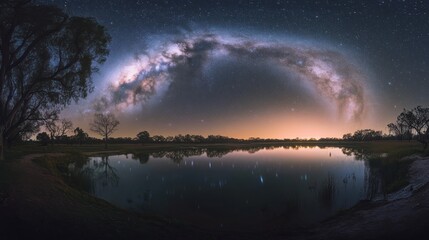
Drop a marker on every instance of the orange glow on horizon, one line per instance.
(277, 126)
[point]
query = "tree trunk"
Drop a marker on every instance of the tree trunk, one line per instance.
(105, 142)
(1, 144)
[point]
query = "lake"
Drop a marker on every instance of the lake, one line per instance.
(242, 189)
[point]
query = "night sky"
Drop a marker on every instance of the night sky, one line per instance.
(272, 69)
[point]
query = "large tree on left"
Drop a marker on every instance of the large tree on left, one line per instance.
(46, 61)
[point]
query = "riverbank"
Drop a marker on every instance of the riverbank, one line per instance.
(404, 215)
(38, 203)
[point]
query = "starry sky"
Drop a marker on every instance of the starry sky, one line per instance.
(271, 69)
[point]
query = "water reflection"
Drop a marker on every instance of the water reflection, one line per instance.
(104, 172)
(254, 187)
(142, 157)
(327, 191)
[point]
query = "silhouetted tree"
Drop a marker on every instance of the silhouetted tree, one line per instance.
(417, 119)
(43, 138)
(58, 128)
(46, 60)
(80, 135)
(104, 125)
(144, 137)
(169, 139)
(348, 137)
(363, 135)
(399, 129)
(158, 138)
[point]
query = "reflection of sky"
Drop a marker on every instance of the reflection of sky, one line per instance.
(239, 188)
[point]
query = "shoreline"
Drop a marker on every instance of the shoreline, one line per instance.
(403, 215)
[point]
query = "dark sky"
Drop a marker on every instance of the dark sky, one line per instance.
(257, 68)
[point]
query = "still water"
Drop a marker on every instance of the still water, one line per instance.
(238, 189)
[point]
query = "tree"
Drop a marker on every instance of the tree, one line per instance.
(399, 129)
(80, 135)
(58, 128)
(417, 120)
(348, 137)
(363, 135)
(144, 137)
(158, 138)
(43, 138)
(104, 125)
(46, 61)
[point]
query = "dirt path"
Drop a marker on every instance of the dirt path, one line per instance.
(42, 205)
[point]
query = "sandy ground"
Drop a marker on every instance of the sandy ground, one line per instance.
(42, 205)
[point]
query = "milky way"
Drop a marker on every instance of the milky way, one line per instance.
(183, 64)
(256, 68)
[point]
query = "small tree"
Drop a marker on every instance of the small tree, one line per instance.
(104, 125)
(144, 137)
(43, 138)
(58, 128)
(80, 135)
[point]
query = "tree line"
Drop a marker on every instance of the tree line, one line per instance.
(410, 125)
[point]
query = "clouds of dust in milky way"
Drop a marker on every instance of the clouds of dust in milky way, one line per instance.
(209, 73)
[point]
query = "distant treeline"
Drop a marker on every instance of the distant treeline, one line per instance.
(410, 125)
(81, 137)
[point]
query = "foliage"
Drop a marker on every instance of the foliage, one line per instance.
(80, 135)
(47, 59)
(417, 120)
(363, 135)
(58, 128)
(143, 137)
(400, 130)
(43, 138)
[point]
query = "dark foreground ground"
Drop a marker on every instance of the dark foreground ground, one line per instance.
(39, 205)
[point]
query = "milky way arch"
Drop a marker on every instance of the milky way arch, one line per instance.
(327, 71)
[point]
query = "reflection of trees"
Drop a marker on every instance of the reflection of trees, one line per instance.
(383, 174)
(373, 184)
(178, 155)
(327, 191)
(142, 157)
(359, 154)
(105, 172)
(79, 176)
(211, 153)
(253, 150)
(373, 177)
